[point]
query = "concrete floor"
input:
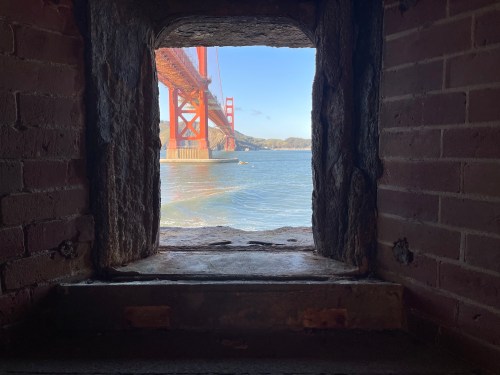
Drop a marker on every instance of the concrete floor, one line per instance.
(340, 353)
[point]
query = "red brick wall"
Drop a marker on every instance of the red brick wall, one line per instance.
(440, 145)
(43, 184)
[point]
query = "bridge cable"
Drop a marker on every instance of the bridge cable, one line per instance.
(218, 70)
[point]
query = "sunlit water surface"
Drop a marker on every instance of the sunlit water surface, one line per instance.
(273, 190)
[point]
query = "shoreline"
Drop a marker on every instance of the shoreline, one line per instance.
(232, 237)
(271, 149)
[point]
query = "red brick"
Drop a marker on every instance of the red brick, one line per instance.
(83, 266)
(388, 3)
(431, 303)
(38, 77)
(442, 109)
(473, 69)
(480, 323)
(42, 111)
(435, 109)
(26, 208)
(41, 293)
(408, 204)
(14, 306)
(482, 178)
(421, 327)
(77, 172)
(44, 14)
(40, 45)
(459, 6)
(436, 176)
(487, 28)
(39, 143)
(471, 214)
(7, 109)
(435, 41)
(422, 268)
(423, 13)
(65, 3)
(12, 241)
(416, 79)
(411, 144)
(483, 105)
(42, 174)
(11, 180)
(477, 286)
(424, 238)
(44, 267)
(472, 143)
(482, 251)
(48, 235)
(6, 38)
(401, 113)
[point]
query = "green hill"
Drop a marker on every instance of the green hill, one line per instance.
(216, 141)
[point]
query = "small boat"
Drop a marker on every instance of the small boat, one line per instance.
(243, 162)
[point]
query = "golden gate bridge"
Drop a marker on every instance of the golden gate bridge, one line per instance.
(192, 104)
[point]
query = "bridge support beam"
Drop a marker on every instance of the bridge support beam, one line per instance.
(203, 102)
(230, 143)
(174, 118)
(189, 118)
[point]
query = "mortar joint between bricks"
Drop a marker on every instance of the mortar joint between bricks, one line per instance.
(25, 240)
(462, 167)
(2, 278)
(462, 247)
(473, 32)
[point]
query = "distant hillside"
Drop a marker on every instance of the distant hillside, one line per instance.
(216, 140)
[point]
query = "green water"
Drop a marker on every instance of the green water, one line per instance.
(273, 190)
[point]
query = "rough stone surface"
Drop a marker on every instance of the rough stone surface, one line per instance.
(123, 132)
(240, 32)
(344, 131)
(277, 23)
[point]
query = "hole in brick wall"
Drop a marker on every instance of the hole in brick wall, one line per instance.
(401, 251)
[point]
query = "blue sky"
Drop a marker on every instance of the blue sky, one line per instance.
(271, 89)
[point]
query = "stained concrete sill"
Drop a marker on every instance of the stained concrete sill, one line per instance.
(276, 265)
(225, 254)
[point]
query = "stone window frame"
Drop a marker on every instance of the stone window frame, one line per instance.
(122, 111)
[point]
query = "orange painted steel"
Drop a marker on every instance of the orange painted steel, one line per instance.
(190, 100)
(230, 144)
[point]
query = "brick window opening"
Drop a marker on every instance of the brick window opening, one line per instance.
(123, 113)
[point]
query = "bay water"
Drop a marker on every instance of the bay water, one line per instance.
(272, 190)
